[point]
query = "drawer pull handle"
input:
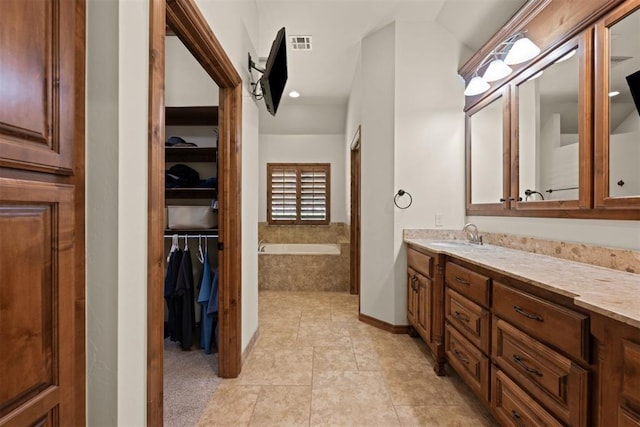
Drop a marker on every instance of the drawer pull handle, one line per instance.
(517, 417)
(414, 279)
(462, 281)
(527, 315)
(519, 361)
(460, 355)
(461, 316)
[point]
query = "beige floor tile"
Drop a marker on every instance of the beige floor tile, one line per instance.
(449, 416)
(333, 359)
(351, 398)
(412, 387)
(282, 406)
(278, 366)
(230, 405)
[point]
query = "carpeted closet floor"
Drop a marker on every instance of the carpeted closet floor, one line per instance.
(190, 378)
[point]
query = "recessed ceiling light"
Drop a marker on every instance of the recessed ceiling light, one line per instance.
(294, 94)
(613, 93)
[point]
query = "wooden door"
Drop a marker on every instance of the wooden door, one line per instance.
(41, 212)
(354, 271)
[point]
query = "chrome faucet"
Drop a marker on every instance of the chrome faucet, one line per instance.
(260, 245)
(472, 233)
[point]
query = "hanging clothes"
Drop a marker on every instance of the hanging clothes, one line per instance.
(212, 306)
(184, 296)
(206, 320)
(170, 281)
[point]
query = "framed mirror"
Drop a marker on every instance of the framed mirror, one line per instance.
(487, 129)
(552, 136)
(617, 151)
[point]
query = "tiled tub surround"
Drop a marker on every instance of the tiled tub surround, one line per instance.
(611, 293)
(617, 259)
(280, 272)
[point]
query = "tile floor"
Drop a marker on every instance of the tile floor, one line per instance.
(316, 364)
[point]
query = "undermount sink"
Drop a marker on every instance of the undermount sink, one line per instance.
(454, 244)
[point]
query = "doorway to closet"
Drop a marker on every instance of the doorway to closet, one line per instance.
(185, 19)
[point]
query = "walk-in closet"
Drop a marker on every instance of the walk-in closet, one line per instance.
(190, 236)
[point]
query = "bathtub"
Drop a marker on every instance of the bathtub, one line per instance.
(299, 249)
(303, 267)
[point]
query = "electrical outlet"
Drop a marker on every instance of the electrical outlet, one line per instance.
(438, 220)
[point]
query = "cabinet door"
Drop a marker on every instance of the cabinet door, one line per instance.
(412, 299)
(425, 288)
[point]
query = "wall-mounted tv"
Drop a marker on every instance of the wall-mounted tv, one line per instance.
(274, 75)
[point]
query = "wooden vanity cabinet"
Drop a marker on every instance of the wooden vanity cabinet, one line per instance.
(525, 355)
(617, 385)
(425, 301)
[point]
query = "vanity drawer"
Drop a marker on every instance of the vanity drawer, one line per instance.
(514, 407)
(472, 285)
(468, 361)
(554, 380)
(473, 321)
(420, 262)
(556, 325)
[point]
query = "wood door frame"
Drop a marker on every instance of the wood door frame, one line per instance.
(191, 27)
(354, 243)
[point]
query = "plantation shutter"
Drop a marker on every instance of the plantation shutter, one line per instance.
(313, 194)
(298, 193)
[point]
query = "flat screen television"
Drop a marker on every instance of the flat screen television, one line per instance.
(274, 77)
(633, 80)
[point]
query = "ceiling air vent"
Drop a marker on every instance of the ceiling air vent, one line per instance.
(300, 42)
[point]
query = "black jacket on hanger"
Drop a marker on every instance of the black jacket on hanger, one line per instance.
(184, 303)
(170, 281)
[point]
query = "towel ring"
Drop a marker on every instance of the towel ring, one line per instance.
(401, 193)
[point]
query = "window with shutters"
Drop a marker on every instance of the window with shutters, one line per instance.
(298, 193)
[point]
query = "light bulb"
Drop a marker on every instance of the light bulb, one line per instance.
(294, 94)
(522, 50)
(496, 70)
(476, 86)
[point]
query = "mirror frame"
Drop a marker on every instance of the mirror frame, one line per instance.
(503, 204)
(583, 43)
(602, 124)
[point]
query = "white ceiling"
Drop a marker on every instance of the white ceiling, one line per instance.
(325, 74)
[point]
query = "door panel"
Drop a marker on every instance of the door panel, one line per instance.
(36, 302)
(36, 84)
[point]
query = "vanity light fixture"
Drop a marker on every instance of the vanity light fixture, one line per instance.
(496, 70)
(476, 86)
(613, 93)
(514, 50)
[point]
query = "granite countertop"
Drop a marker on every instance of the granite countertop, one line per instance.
(611, 293)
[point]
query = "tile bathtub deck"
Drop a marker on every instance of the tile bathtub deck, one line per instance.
(316, 364)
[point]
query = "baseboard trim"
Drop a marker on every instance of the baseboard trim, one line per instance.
(376, 323)
(252, 343)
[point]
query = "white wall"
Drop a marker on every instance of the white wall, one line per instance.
(304, 149)
(186, 82)
(235, 24)
(298, 118)
(429, 137)
(117, 81)
(377, 163)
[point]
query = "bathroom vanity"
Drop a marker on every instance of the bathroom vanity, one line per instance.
(540, 340)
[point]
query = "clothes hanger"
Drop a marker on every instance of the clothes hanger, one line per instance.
(174, 246)
(200, 255)
(186, 240)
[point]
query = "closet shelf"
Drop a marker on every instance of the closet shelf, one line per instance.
(190, 193)
(191, 154)
(191, 116)
(201, 231)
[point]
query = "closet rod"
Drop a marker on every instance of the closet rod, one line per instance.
(191, 236)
